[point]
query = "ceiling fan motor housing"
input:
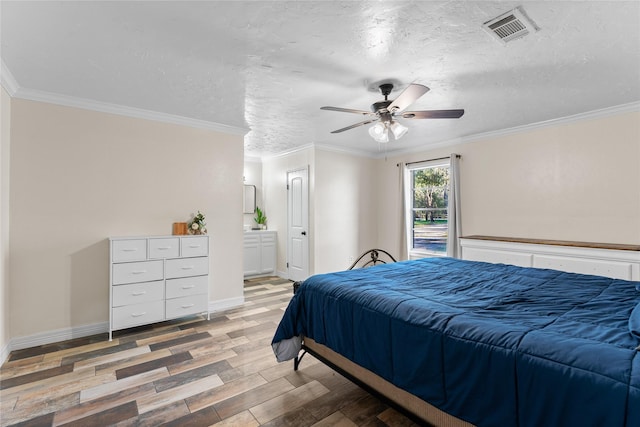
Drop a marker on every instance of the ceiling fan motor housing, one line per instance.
(382, 105)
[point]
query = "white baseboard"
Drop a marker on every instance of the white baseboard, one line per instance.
(48, 337)
(4, 352)
(283, 274)
(225, 304)
(58, 335)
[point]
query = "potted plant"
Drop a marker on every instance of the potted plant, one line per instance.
(260, 218)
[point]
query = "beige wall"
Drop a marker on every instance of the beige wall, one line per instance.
(344, 204)
(576, 181)
(5, 135)
(78, 177)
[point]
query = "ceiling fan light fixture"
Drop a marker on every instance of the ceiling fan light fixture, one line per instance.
(398, 129)
(379, 132)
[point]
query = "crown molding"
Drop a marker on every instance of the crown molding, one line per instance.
(7, 80)
(286, 152)
(252, 159)
(16, 91)
(343, 150)
(589, 115)
(323, 147)
(138, 113)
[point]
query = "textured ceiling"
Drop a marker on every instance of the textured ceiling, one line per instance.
(269, 66)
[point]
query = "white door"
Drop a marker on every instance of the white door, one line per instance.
(298, 224)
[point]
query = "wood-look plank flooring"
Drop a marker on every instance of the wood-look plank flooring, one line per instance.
(191, 372)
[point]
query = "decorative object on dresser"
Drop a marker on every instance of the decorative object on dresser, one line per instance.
(157, 278)
(197, 224)
(259, 253)
(180, 228)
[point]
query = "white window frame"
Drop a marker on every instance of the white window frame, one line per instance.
(441, 163)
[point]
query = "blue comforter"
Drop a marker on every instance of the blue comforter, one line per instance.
(495, 345)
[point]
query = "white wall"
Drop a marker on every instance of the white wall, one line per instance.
(78, 177)
(5, 137)
(576, 181)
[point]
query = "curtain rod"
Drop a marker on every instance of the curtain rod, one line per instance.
(429, 160)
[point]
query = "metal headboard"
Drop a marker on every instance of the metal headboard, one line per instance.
(374, 254)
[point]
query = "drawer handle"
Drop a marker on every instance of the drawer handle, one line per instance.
(163, 248)
(129, 249)
(138, 293)
(138, 314)
(187, 305)
(188, 286)
(194, 246)
(188, 267)
(139, 272)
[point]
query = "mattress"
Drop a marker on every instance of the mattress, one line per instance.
(491, 344)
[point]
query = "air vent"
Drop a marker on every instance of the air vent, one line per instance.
(510, 26)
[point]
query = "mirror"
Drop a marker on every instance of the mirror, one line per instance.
(249, 203)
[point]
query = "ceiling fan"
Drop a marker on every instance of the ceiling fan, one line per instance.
(386, 112)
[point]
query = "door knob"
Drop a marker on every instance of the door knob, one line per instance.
(304, 233)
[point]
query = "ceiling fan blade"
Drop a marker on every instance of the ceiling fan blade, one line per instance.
(366, 122)
(433, 114)
(408, 97)
(348, 110)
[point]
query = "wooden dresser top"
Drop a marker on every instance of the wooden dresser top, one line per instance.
(616, 246)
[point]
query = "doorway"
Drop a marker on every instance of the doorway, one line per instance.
(298, 224)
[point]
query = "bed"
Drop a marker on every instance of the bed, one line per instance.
(461, 343)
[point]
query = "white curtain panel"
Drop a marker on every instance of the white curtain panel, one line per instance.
(454, 221)
(405, 211)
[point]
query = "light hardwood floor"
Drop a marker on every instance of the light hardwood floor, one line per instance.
(194, 372)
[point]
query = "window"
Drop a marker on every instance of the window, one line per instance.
(430, 199)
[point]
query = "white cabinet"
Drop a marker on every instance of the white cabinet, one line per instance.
(259, 253)
(157, 278)
(609, 260)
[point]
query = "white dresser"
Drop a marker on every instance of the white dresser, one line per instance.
(157, 278)
(618, 261)
(259, 253)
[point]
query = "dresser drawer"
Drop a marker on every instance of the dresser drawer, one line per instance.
(194, 246)
(132, 272)
(137, 314)
(251, 239)
(128, 250)
(185, 306)
(186, 286)
(268, 238)
(186, 267)
(137, 293)
(164, 248)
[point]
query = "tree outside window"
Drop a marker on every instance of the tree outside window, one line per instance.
(430, 189)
